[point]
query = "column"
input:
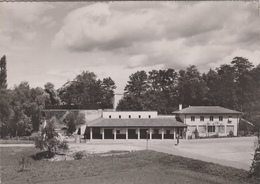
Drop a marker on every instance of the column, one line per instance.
(174, 133)
(150, 132)
(162, 133)
(114, 134)
(138, 133)
(91, 134)
(126, 133)
(103, 133)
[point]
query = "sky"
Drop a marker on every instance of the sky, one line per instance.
(56, 41)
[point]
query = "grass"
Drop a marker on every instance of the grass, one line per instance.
(132, 167)
(17, 141)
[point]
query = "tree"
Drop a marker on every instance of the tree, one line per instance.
(191, 87)
(137, 85)
(255, 167)
(5, 112)
(48, 139)
(3, 73)
(86, 89)
(53, 95)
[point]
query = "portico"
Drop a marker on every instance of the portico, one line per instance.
(135, 127)
(134, 133)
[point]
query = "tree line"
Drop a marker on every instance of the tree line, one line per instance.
(235, 86)
(22, 108)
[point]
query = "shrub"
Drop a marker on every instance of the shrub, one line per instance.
(78, 155)
(231, 133)
(47, 140)
(255, 167)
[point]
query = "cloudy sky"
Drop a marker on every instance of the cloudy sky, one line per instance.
(55, 41)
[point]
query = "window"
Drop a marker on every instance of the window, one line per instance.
(229, 119)
(168, 132)
(118, 131)
(201, 118)
(109, 116)
(220, 118)
(129, 116)
(119, 116)
(211, 128)
(211, 118)
(192, 118)
(149, 116)
(139, 116)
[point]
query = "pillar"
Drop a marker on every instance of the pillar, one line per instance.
(126, 133)
(114, 134)
(138, 133)
(150, 132)
(103, 133)
(162, 133)
(174, 133)
(91, 134)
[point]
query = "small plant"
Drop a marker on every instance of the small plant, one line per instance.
(78, 155)
(231, 133)
(22, 164)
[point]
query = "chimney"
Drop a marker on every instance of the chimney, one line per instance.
(180, 107)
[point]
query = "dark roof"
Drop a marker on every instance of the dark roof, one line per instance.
(149, 122)
(206, 110)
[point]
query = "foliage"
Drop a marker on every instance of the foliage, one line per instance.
(157, 91)
(48, 140)
(255, 167)
(231, 133)
(78, 155)
(87, 89)
(3, 73)
(72, 119)
(235, 86)
(53, 98)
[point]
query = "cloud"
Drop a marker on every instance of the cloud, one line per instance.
(22, 20)
(169, 33)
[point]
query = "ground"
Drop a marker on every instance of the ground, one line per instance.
(235, 152)
(137, 165)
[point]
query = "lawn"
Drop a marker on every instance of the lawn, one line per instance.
(133, 167)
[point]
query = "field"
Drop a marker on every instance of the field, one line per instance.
(131, 167)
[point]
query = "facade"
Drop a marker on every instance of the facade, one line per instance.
(209, 120)
(134, 125)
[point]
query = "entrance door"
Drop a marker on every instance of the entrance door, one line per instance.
(144, 134)
(109, 134)
(132, 134)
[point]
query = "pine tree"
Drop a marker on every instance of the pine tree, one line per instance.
(3, 73)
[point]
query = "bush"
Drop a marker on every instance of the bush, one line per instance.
(255, 167)
(78, 155)
(47, 140)
(231, 133)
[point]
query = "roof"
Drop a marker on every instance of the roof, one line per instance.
(206, 110)
(145, 122)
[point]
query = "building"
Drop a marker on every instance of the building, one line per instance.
(209, 120)
(133, 125)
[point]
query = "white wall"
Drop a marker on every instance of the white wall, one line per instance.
(133, 114)
(228, 121)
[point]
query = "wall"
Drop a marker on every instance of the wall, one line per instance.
(133, 114)
(228, 121)
(61, 114)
